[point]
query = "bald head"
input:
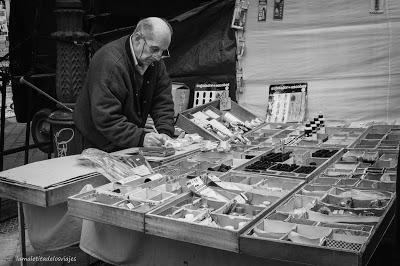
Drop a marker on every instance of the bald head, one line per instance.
(151, 39)
(155, 28)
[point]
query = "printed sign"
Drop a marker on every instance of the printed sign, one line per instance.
(195, 184)
(287, 103)
(207, 92)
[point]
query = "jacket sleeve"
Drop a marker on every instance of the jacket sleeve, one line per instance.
(107, 92)
(162, 110)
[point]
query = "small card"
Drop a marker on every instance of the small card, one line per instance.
(195, 184)
(128, 179)
(211, 114)
(214, 178)
(141, 170)
(376, 6)
(278, 9)
(262, 10)
(200, 116)
(224, 101)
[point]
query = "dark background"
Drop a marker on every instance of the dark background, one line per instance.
(203, 46)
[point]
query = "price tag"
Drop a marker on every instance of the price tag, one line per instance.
(278, 9)
(214, 178)
(224, 101)
(130, 206)
(141, 170)
(262, 10)
(128, 179)
(195, 184)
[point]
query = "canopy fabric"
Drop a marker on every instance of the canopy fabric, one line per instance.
(349, 57)
(203, 49)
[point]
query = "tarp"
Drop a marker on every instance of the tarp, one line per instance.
(349, 57)
(204, 47)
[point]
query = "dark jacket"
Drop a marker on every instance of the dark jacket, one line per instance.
(111, 111)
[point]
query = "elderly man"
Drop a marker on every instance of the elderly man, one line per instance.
(126, 81)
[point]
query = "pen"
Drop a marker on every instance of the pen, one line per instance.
(155, 129)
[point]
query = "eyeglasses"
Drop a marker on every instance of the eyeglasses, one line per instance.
(155, 51)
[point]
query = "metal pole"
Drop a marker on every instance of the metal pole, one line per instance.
(25, 82)
(3, 119)
(27, 135)
(28, 128)
(21, 222)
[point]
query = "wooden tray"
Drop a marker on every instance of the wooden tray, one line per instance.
(339, 137)
(322, 163)
(112, 210)
(188, 126)
(379, 137)
(381, 175)
(221, 238)
(300, 254)
(157, 161)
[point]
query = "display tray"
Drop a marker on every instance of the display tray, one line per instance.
(171, 182)
(338, 218)
(219, 226)
(206, 120)
(203, 162)
(296, 162)
(361, 169)
(123, 205)
(380, 137)
(156, 161)
(273, 133)
(322, 225)
(333, 137)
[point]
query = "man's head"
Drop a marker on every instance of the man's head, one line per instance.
(151, 40)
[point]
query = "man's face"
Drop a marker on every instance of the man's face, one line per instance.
(152, 48)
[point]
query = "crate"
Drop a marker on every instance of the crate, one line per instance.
(320, 242)
(226, 236)
(185, 123)
(300, 156)
(379, 137)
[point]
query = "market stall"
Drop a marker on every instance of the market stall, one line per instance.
(287, 203)
(235, 198)
(280, 166)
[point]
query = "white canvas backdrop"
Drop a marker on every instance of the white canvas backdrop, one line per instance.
(349, 57)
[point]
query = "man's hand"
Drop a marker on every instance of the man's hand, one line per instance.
(154, 139)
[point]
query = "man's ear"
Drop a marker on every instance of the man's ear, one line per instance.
(137, 36)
